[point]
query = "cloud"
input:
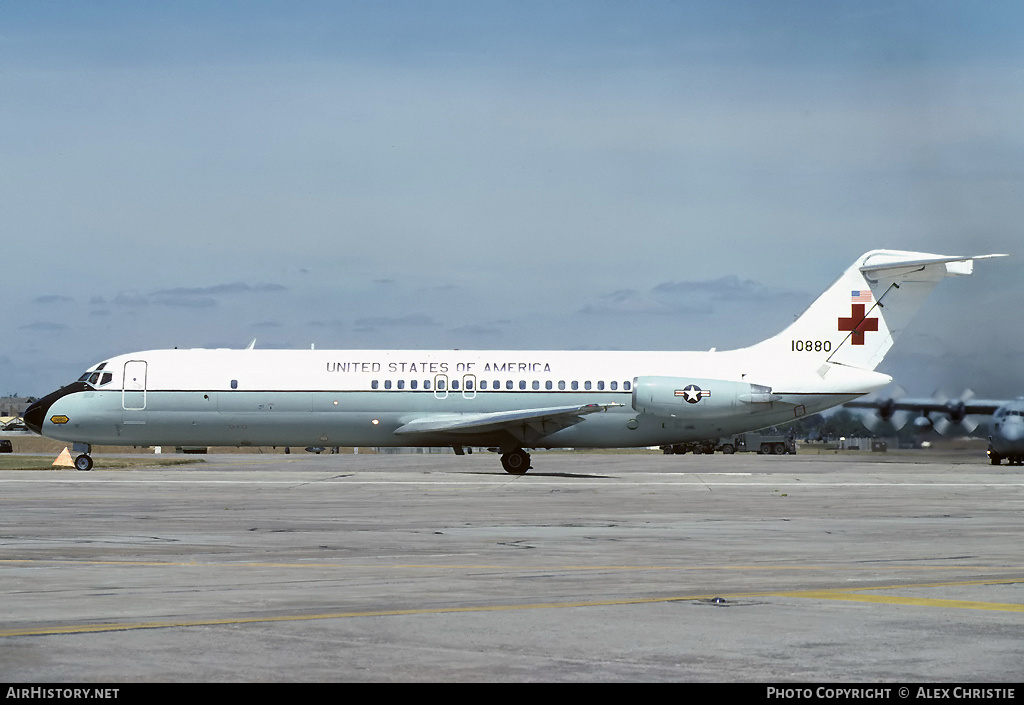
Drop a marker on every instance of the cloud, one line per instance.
(130, 298)
(187, 301)
(190, 297)
(476, 329)
(220, 289)
(727, 288)
(415, 320)
(44, 327)
(688, 297)
(631, 301)
(51, 299)
(335, 323)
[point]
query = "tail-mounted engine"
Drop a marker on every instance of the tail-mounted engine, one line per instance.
(697, 398)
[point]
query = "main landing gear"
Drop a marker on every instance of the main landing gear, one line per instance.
(516, 462)
(995, 458)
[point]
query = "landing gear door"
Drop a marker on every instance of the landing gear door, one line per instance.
(133, 396)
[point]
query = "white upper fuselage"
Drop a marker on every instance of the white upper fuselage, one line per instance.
(358, 370)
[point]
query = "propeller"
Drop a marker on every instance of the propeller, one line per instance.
(956, 422)
(887, 420)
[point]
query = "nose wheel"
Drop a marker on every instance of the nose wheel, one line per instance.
(516, 462)
(83, 463)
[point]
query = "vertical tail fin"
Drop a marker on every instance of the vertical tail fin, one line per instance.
(857, 320)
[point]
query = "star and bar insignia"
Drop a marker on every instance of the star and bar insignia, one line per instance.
(692, 394)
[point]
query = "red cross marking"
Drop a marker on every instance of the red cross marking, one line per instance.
(858, 324)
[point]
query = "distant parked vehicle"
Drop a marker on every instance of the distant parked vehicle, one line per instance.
(6, 447)
(752, 442)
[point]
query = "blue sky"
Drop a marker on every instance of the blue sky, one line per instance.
(620, 175)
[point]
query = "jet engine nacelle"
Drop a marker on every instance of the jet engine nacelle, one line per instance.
(697, 398)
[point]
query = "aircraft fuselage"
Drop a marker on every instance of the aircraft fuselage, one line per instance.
(362, 398)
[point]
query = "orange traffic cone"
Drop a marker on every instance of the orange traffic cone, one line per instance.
(64, 460)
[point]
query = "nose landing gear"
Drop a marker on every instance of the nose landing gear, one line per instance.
(84, 461)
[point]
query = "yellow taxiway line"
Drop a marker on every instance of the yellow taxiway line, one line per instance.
(856, 595)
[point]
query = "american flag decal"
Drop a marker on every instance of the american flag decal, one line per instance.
(860, 296)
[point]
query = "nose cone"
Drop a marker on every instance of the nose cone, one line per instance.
(1013, 432)
(36, 414)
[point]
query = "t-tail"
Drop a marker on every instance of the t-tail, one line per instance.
(857, 320)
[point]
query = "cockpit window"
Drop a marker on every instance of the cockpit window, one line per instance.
(97, 376)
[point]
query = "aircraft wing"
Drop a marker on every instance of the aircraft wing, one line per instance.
(924, 405)
(525, 425)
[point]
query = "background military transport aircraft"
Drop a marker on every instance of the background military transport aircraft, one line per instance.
(509, 400)
(954, 416)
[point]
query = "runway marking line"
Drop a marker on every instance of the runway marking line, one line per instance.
(857, 595)
(491, 566)
(898, 600)
(852, 594)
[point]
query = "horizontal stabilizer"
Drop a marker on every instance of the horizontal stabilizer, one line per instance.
(890, 263)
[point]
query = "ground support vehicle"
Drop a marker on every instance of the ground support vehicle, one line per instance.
(752, 442)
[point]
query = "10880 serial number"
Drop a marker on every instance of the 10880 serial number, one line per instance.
(811, 345)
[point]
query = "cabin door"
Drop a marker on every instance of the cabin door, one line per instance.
(133, 396)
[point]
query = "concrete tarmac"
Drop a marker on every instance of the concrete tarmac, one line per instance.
(592, 567)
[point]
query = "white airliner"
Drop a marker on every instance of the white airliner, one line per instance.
(510, 400)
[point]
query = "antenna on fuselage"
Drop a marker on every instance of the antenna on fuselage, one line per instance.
(251, 345)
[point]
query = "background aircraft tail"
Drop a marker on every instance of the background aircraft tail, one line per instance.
(856, 321)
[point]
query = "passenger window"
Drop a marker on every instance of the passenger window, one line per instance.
(561, 384)
(575, 385)
(547, 385)
(401, 384)
(374, 384)
(508, 384)
(455, 384)
(522, 384)
(413, 383)
(387, 384)
(483, 384)
(600, 385)
(626, 386)
(536, 384)
(614, 386)
(426, 384)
